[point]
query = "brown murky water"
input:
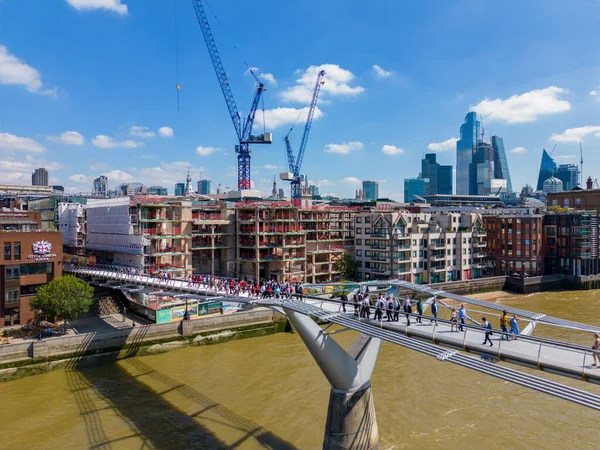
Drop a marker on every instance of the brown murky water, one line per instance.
(268, 393)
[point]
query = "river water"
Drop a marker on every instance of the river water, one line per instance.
(268, 393)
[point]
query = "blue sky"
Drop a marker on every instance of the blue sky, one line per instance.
(87, 87)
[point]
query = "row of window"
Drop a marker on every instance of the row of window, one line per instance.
(12, 297)
(450, 264)
(13, 272)
(12, 251)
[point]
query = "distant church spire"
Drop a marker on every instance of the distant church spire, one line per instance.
(274, 192)
(189, 190)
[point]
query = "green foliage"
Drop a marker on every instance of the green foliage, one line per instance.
(66, 297)
(347, 266)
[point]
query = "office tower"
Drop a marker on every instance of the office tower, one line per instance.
(569, 175)
(315, 190)
(413, 187)
(465, 146)
(39, 177)
(179, 189)
(204, 187)
(547, 169)
(100, 186)
(438, 177)
(370, 190)
(500, 162)
(157, 190)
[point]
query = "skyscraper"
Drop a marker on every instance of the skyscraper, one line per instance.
(569, 175)
(370, 190)
(39, 177)
(500, 162)
(204, 187)
(100, 186)
(179, 189)
(157, 190)
(547, 169)
(465, 147)
(438, 177)
(413, 187)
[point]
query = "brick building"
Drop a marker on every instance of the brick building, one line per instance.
(514, 242)
(30, 259)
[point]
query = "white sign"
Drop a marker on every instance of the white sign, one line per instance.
(41, 251)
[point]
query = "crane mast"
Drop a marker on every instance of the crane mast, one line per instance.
(243, 128)
(295, 163)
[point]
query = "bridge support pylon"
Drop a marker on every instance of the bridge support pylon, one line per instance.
(351, 421)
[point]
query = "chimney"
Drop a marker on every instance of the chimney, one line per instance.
(589, 184)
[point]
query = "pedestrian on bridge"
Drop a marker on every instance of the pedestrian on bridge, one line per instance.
(488, 331)
(419, 311)
(378, 306)
(462, 315)
(454, 321)
(504, 321)
(596, 350)
(344, 299)
(514, 327)
(434, 311)
(396, 306)
(389, 309)
(407, 310)
(356, 300)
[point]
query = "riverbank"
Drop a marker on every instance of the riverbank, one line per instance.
(82, 350)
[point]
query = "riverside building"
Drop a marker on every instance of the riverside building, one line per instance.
(419, 247)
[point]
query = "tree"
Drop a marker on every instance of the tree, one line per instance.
(65, 297)
(347, 266)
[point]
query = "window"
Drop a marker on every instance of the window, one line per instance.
(17, 251)
(554, 202)
(12, 297)
(414, 242)
(367, 220)
(368, 253)
(578, 201)
(464, 240)
(358, 252)
(359, 220)
(414, 254)
(359, 242)
(359, 231)
(36, 269)
(566, 203)
(367, 241)
(30, 289)
(12, 273)
(7, 251)
(464, 251)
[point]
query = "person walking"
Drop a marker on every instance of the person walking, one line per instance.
(462, 315)
(596, 350)
(407, 310)
(434, 311)
(396, 308)
(504, 321)
(419, 311)
(487, 328)
(356, 300)
(389, 309)
(454, 321)
(378, 306)
(344, 299)
(514, 327)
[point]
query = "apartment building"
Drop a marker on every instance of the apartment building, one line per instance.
(419, 247)
(213, 238)
(150, 233)
(570, 243)
(514, 242)
(280, 241)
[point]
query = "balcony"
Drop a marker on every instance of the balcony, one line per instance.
(438, 268)
(479, 255)
(479, 233)
(438, 257)
(380, 247)
(437, 245)
(478, 266)
(480, 244)
(380, 235)
(380, 271)
(401, 248)
(381, 258)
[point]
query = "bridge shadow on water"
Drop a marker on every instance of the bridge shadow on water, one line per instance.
(135, 394)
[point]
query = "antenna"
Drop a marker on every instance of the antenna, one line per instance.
(581, 162)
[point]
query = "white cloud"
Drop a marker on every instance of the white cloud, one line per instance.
(102, 141)
(381, 72)
(68, 137)
(518, 150)
(576, 134)
(594, 93)
(166, 132)
(268, 78)
(275, 118)
(99, 166)
(448, 144)
(351, 180)
(565, 157)
(345, 148)
(391, 150)
(17, 143)
(268, 166)
(19, 171)
(118, 176)
(14, 71)
(143, 132)
(527, 107)
(205, 151)
(80, 178)
(337, 83)
(109, 5)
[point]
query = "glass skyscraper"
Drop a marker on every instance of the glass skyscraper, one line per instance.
(412, 188)
(547, 170)
(569, 175)
(465, 146)
(179, 189)
(500, 162)
(438, 177)
(370, 190)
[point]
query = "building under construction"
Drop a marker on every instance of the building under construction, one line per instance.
(283, 242)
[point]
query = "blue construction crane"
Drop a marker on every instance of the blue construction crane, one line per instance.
(243, 128)
(295, 163)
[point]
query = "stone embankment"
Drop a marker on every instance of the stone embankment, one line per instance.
(31, 357)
